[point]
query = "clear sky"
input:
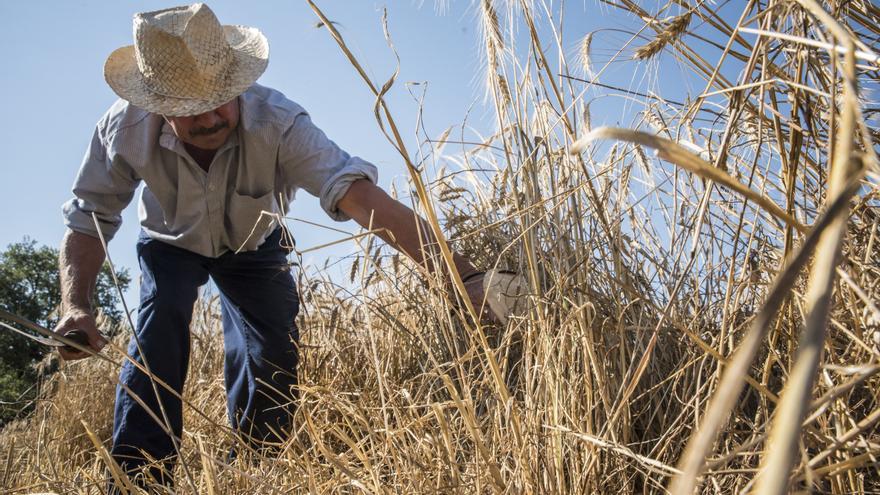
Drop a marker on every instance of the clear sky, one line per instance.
(54, 92)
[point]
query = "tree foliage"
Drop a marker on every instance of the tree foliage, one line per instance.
(30, 287)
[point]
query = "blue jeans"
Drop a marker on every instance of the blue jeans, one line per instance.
(259, 304)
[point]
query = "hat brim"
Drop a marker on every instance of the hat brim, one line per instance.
(250, 51)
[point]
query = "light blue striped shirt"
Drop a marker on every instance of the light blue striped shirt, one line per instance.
(275, 150)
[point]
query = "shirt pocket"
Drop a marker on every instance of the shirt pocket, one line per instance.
(248, 220)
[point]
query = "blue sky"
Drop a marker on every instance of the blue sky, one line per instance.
(54, 91)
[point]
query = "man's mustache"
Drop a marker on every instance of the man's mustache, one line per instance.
(207, 131)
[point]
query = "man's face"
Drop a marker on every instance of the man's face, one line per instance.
(209, 130)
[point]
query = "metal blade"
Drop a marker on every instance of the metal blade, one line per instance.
(36, 338)
(76, 340)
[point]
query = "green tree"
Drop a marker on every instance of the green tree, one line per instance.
(30, 287)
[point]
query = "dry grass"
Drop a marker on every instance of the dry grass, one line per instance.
(703, 319)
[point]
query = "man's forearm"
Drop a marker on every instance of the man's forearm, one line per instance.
(81, 258)
(395, 223)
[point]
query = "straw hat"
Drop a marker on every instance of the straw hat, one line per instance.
(184, 62)
(506, 292)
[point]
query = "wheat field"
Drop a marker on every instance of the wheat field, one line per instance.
(704, 284)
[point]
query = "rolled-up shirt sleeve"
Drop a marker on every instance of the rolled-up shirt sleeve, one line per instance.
(313, 162)
(104, 186)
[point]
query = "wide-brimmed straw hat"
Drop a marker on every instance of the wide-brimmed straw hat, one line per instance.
(183, 62)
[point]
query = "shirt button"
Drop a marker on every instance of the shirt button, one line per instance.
(211, 187)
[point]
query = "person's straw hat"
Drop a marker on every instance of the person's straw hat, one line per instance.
(183, 62)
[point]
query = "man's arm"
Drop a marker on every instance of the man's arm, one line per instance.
(81, 258)
(400, 227)
(104, 186)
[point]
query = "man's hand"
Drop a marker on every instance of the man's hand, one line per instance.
(473, 283)
(84, 321)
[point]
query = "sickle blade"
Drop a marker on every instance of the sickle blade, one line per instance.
(36, 338)
(74, 341)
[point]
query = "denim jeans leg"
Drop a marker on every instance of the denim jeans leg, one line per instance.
(170, 278)
(259, 305)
